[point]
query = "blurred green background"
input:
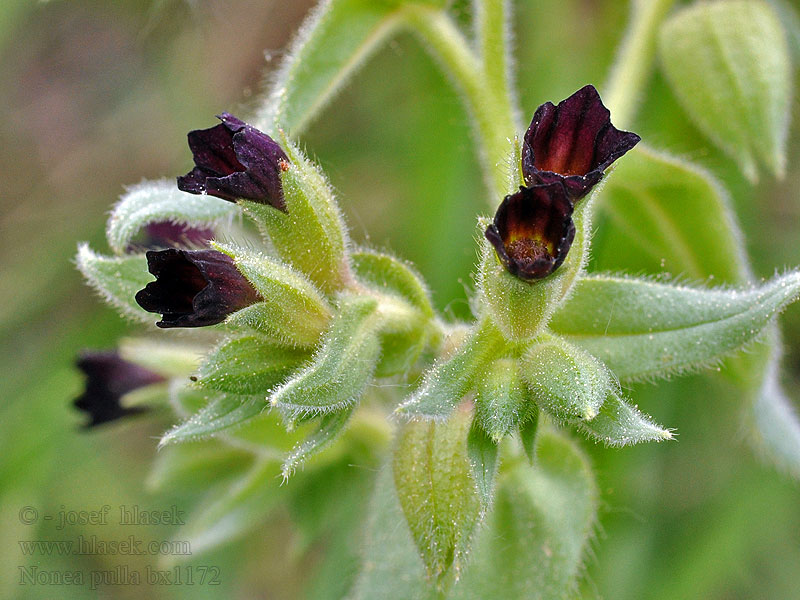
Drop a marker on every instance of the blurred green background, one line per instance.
(98, 95)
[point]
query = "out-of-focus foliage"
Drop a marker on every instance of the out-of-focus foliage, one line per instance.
(99, 95)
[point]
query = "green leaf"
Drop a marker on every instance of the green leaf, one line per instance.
(620, 424)
(194, 466)
(729, 65)
(330, 46)
(642, 329)
(642, 226)
(790, 19)
(233, 512)
(502, 399)
(248, 365)
(660, 213)
(185, 400)
(535, 539)
(293, 309)
(532, 545)
(403, 341)
(116, 279)
(446, 383)
(328, 508)
(342, 366)
(330, 426)
(400, 349)
(160, 201)
(565, 381)
(482, 451)
(170, 359)
(433, 478)
(391, 567)
(770, 417)
(220, 413)
(265, 434)
(388, 274)
(311, 235)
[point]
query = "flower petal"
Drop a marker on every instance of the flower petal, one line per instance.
(573, 142)
(533, 230)
(235, 160)
(194, 288)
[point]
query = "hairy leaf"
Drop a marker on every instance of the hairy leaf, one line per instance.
(644, 225)
(292, 308)
(565, 381)
(446, 383)
(644, 329)
(329, 428)
(248, 365)
(310, 235)
(160, 201)
(729, 64)
(527, 434)
(502, 399)
(341, 368)
(221, 412)
(659, 213)
(433, 478)
(389, 274)
(116, 279)
(535, 538)
(531, 547)
(620, 424)
(483, 457)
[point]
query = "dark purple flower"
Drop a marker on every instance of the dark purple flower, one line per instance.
(108, 379)
(533, 230)
(235, 160)
(194, 288)
(166, 234)
(573, 142)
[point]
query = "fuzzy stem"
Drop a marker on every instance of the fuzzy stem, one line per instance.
(491, 112)
(493, 34)
(634, 60)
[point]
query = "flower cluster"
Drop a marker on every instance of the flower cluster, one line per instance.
(233, 161)
(564, 153)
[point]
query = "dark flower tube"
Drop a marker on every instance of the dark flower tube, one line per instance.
(573, 142)
(235, 160)
(166, 234)
(194, 288)
(108, 379)
(533, 230)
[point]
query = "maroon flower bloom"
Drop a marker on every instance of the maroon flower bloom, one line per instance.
(194, 288)
(533, 230)
(235, 160)
(108, 379)
(166, 234)
(573, 142)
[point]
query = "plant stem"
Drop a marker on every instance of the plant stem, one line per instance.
(634, 59)
(489, 108)
(492, 30)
